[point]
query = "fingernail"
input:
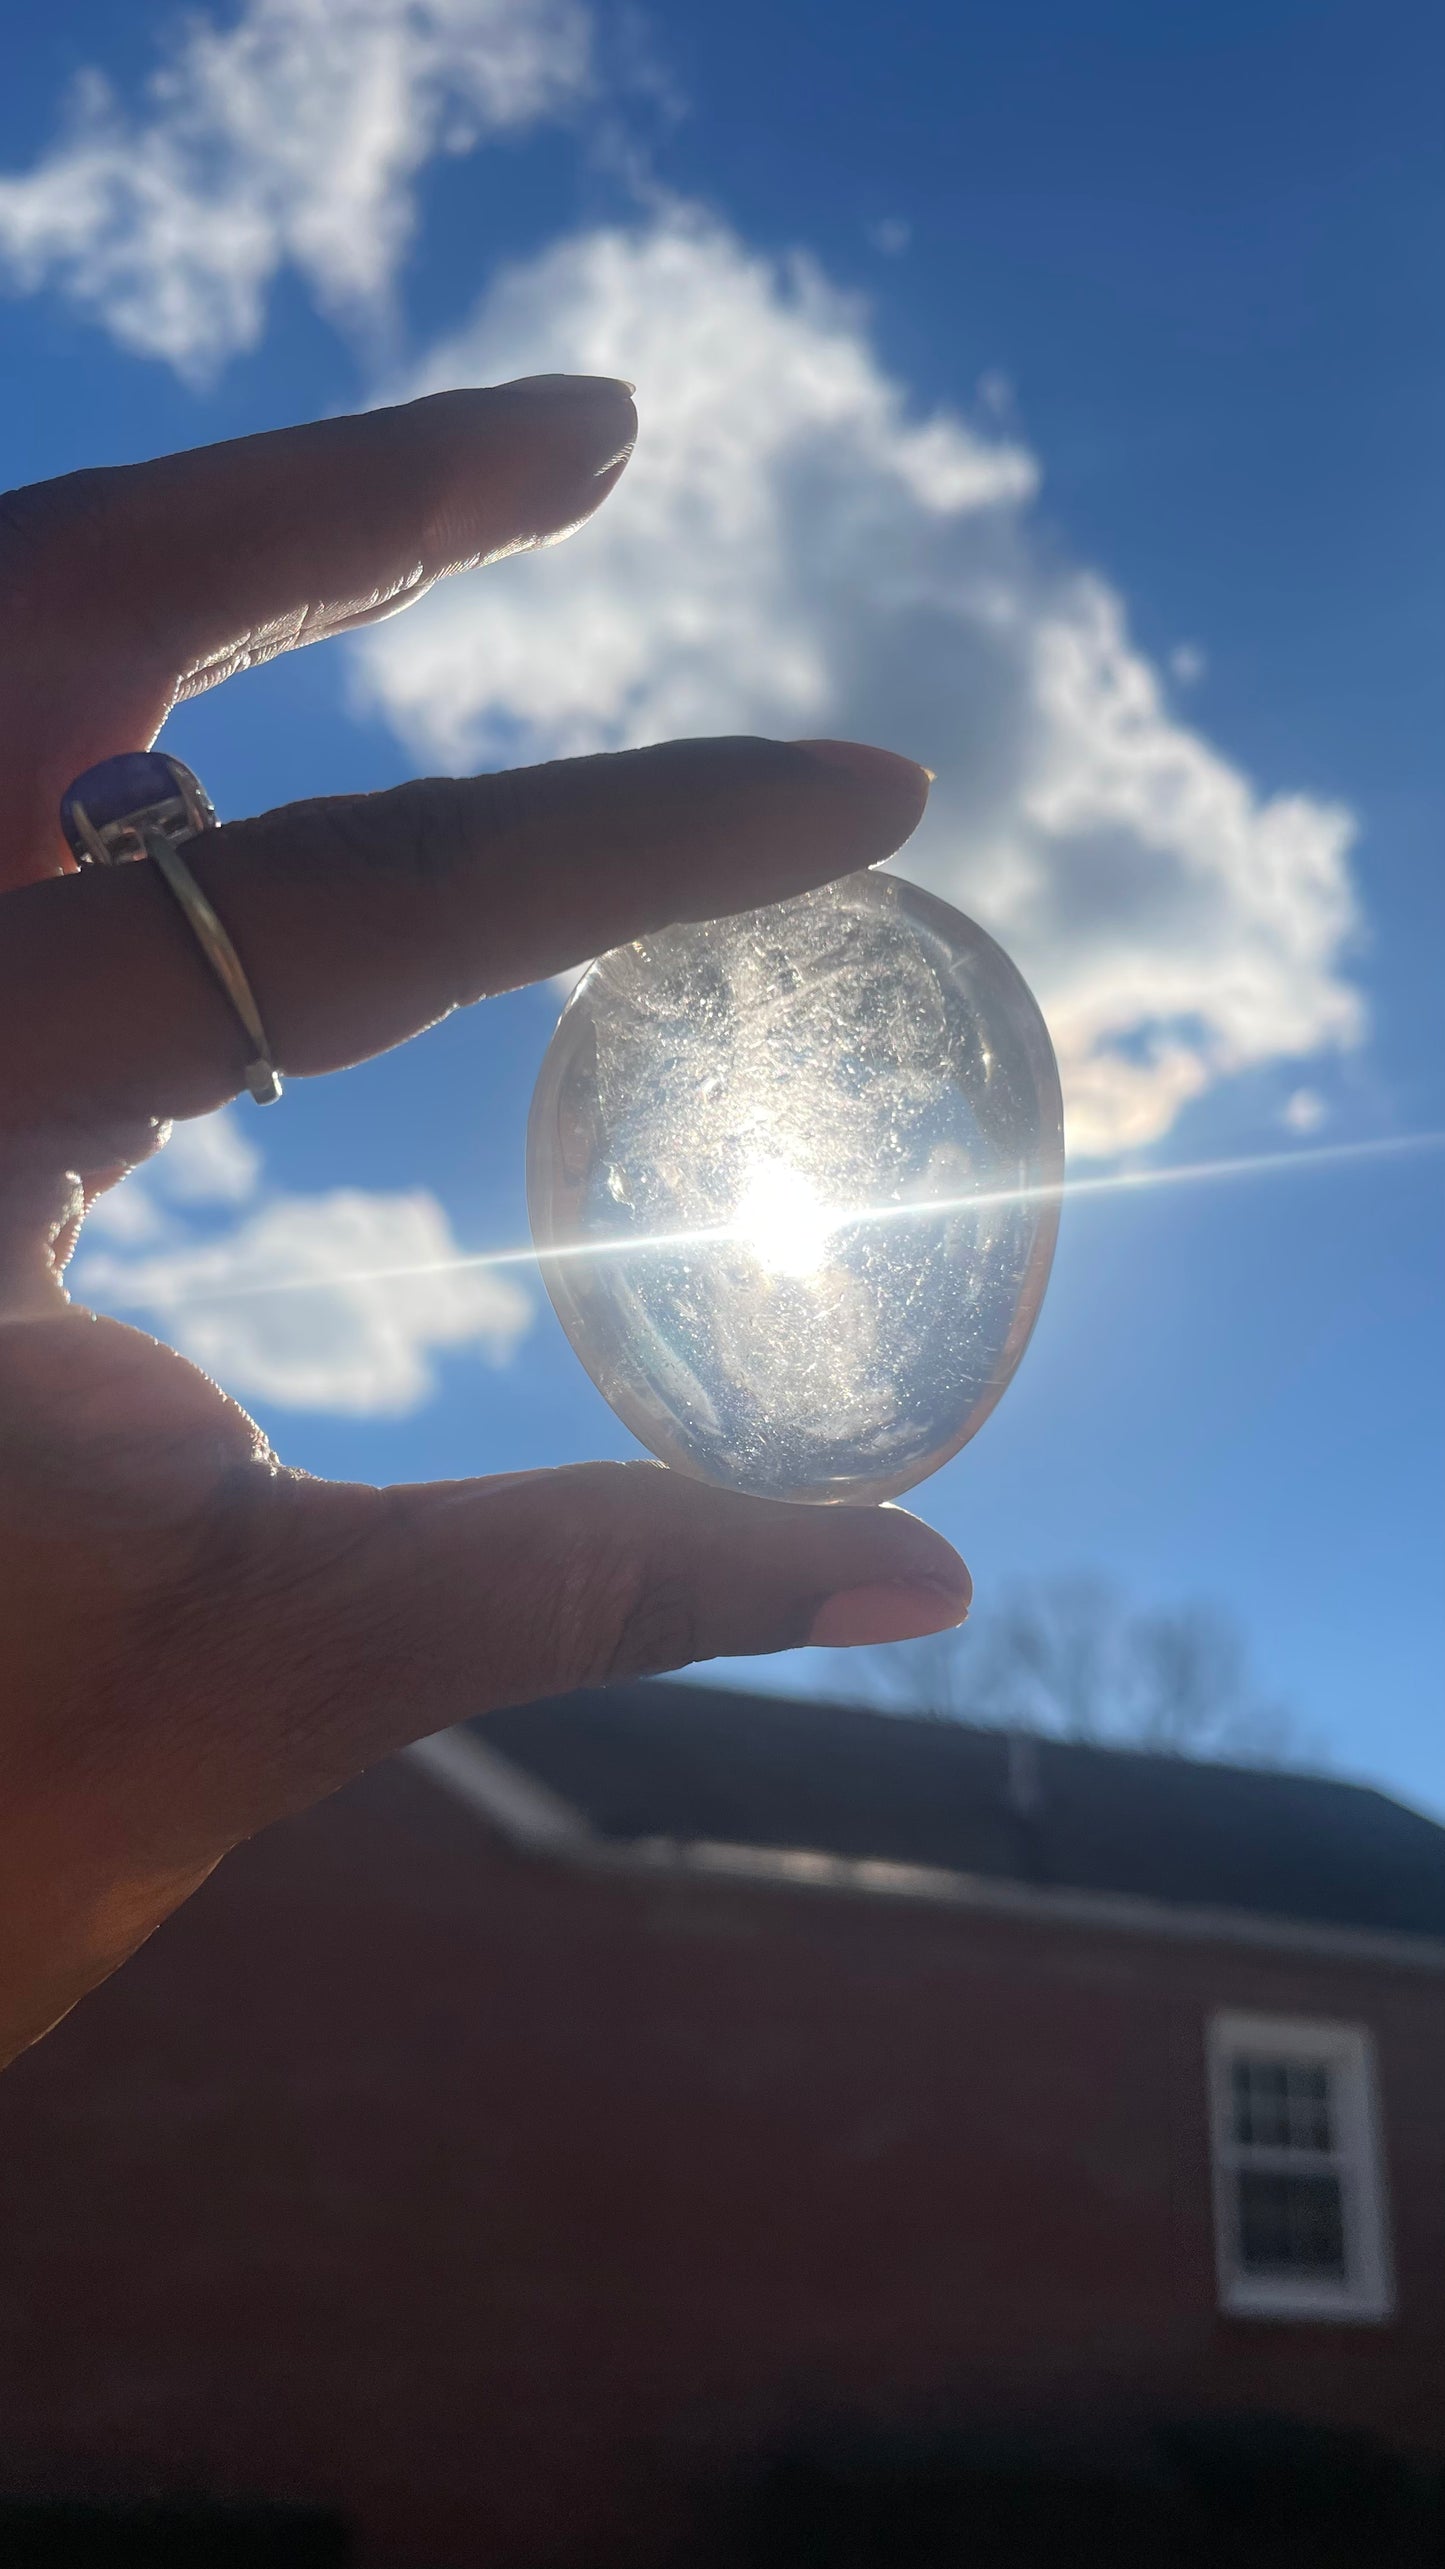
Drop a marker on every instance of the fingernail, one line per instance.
(895, 1610)
(576, 387)
(882, 770)
(585, 430)
(594, 413)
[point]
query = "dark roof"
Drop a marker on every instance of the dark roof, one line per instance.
(692, 1762)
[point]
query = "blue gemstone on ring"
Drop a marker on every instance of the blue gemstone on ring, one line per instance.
(105, 811)
(120, 786)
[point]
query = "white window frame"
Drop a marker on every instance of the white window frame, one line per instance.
(1366, 2289)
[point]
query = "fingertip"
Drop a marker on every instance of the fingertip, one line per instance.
(598, 411)
(930, 1555)
(586, 429)
(530, 459)
(890, 782)
(886, 1611)
(880, 768)
(574, 516)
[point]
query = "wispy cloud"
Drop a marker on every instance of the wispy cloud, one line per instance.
(794, 550)
(291, 136)
(386, 1287)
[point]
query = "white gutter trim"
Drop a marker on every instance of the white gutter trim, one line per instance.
(1127, 1913)
(527, 1812)
(541, 1822)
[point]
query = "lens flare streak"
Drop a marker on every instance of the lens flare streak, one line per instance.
(800, 1232)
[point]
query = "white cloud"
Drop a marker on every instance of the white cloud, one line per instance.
(1187, 663)
(291, 137)
(1305, 1111)
(128, 1215)
(299, 1305)
(210, 1160)
(793, 551)
(776, 464)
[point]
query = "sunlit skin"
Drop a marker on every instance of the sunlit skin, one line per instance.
(195, 1639)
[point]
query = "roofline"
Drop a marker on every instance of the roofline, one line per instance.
(540, 1822)
(529, 1813)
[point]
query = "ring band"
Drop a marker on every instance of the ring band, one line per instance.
(146, 804)
(262, 1077)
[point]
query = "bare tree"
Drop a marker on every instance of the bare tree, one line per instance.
(1069, 1659)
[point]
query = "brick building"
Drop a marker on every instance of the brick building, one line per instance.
(509, 2154)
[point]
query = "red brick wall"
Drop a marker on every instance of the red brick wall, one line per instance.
(504, 2206)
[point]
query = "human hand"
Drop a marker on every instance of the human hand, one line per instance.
(195, 1639)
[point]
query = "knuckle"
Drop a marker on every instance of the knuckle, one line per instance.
(413, 835)
(432, 846)
(415, 850)
(444, 828)
(631, 1608)
(400, 856)
(657, 1631)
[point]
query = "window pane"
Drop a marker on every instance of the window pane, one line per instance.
(1281, 2105)
(1310, 2106)
(1290, 2225)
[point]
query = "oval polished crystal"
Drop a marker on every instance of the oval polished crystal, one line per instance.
(794, 1183)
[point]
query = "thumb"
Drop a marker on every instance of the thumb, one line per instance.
(406, 1609)
(318, 1627)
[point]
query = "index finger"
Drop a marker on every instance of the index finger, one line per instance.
(129, 588)
(362, 920)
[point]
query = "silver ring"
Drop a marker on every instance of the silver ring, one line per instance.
(145, 804)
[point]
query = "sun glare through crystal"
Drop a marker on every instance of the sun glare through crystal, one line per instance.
(782, 1220)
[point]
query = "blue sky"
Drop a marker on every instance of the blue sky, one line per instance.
(1050, 391)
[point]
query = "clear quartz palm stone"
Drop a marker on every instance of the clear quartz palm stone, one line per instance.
(794, 1183)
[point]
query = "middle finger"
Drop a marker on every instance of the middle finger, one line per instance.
(362, 920)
